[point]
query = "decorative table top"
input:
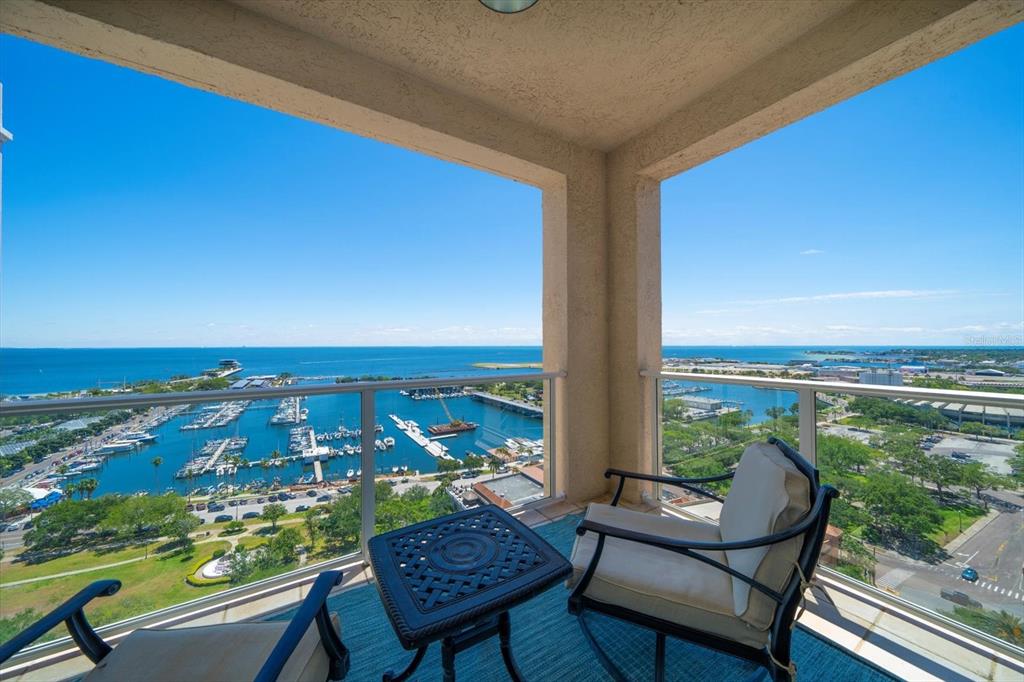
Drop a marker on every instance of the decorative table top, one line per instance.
(441, 575)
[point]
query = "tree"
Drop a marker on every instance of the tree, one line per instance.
(13, 499)
(900, 511)
(281, 548)
(272, 512)
(87, 486)
(977, 476)
(1017, 464)
(157, 461)
(311, 520)
(494, 464)
(774, 413)
(941, 471)
(843, 454)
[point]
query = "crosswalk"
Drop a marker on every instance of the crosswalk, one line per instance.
(996, 589)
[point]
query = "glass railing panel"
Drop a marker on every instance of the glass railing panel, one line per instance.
(706, 426)
(177, 502)
(454, 447)
(930, 506)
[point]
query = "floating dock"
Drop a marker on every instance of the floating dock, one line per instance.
(412, 429)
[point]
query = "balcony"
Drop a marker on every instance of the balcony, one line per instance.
(884, 611)
(595, 109)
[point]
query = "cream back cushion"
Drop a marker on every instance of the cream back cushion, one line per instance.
(768, 495)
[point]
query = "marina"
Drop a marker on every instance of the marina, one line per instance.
(217, 415)
(289, 412)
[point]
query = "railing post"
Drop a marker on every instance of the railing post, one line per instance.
(550, 476)
(657, 461)
(808, 421)
(367, 505)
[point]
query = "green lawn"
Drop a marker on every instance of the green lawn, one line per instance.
(952, 522)
(14, 571)
(147, 585)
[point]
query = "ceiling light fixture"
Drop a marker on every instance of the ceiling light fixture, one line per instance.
(508, 6)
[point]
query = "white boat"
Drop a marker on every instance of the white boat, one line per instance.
(389, 442)
(117, 446)
(139, 437)
(351, 473)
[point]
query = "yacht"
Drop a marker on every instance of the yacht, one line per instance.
(139, 437)
(351, 473)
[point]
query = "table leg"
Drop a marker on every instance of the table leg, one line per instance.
(448, 659)
(505, 636)
(409, 669)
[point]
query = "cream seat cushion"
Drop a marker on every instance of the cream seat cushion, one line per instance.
(658, 582)
(768, 495)
(233, 652)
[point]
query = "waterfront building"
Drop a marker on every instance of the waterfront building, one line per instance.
(881, 377)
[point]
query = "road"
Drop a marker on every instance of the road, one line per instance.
(996, 552)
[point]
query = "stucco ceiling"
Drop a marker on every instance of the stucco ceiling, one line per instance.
(596, 72)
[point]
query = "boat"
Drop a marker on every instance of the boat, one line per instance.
(117, 446)
(138, 437)
(351, 473)
(389, 442)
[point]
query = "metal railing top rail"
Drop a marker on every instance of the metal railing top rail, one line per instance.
(20, 408)
(988, 399)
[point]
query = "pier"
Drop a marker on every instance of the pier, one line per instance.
(412, 429)
(508, 404)
(318, 471)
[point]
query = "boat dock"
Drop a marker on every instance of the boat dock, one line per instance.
(412, 429)
(318, 471)
(217, 415)
(508, 404)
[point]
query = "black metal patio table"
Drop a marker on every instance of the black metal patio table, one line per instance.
(455, 578)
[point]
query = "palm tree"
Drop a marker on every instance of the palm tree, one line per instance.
(1008, 627)
(88, 486)
(494, 465)
(157, 461)
(70, 489)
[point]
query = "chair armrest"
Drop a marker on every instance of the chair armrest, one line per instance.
(71, 614)
(676, 544)
(314, 607)
(688, 483)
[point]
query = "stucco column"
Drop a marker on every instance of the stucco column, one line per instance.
(634, 315)
(576, 326)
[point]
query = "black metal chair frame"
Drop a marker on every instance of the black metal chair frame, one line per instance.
(776, 656)
(314, 607)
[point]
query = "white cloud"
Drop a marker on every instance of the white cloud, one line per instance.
(811, 252)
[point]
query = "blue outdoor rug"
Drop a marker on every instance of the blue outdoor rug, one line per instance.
(548, 645)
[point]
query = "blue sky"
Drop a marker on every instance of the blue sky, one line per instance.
(138, 212)
(894, 217)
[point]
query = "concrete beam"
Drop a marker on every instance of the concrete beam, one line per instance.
(872, 42)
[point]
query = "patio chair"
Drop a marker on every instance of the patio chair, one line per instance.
(734, 587)
(293, 650)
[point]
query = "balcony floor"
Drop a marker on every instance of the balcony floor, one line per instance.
(548, 644)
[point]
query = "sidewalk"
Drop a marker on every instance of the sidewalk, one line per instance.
(975, 528)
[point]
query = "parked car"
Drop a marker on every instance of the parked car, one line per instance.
(302, 508)
(272, 498)
(216, 507)
(222, 518)
(310, 493)
(190, 507)
(233, 503)
(261, 500)
(958, 597)
(324, 498)
(201, 506)
(251, 515)
(969, 574)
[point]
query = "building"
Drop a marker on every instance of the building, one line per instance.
(595, 105)
(881, 377)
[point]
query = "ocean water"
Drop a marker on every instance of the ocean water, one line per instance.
(33, 371)
(38, 370)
